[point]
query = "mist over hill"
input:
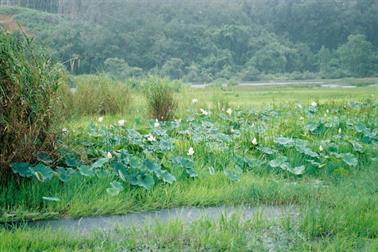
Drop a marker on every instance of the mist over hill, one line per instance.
(201, 41)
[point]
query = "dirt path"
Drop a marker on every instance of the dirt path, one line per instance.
(185, 215)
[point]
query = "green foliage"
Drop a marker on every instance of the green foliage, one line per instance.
(250, 40)
(29, 83)
(328, 140)
(357, 56)
(119, 69)
(95, 95)
(173, 68)
(160, 98)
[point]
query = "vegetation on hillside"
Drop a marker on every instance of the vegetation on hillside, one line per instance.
(201, 41)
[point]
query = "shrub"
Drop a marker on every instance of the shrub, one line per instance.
(28, 89)
(96, 94)
(160, 98)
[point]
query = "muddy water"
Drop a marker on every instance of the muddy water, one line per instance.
(185, 215)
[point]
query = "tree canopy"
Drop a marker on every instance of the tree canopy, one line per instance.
(205, 40)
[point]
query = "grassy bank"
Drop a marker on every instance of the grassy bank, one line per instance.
(312, 147)
(338, 216)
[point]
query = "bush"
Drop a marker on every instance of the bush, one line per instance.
(96, 95)
(160, 98)
(28, 89)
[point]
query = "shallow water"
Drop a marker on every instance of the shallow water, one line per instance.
(185, 215)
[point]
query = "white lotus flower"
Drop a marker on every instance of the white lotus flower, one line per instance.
(229, 111)
(109, 155)
(314, 104)
(151, 138)
(64, 130)
(321, 148)
(301, 118)
(194, 101)
(100, 119)
(339, 130)
(254, 141)
(327, 111)
(190, 151)
(157, 124)
(121, 123)
(204, 112)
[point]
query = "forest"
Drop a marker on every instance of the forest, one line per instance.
(203, 41)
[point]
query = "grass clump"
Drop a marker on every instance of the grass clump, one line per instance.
(160, 98)
(28, 87)
(96, 95)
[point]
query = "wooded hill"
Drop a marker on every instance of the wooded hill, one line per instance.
(206, 40)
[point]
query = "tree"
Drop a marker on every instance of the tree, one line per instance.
(119, 69)
(173, 68)
(357, 56)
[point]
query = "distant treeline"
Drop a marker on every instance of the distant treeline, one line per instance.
(206, 40)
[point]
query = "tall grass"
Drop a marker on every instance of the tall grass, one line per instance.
(95, 95)
(28, 86)
(160, 98)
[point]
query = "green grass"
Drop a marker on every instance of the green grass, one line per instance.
(88, 197)
(338, 217)
(244, 97)
(338, 204)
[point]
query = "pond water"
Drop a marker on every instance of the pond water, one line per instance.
(184, 215)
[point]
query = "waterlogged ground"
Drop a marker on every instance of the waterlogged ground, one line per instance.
(318, 155)
(89, 225)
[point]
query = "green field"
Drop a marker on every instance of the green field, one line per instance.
(315, 148)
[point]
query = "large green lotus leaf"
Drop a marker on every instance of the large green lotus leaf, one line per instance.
(145, 181)
(284, 141)
(100, 163)
(192, 173)
(367, 138)
(232, 176)
(306, 151)
(299, 170)
(135, 163)
(278, 161)
(332, 148)
(285, 166)
(357, 146)
(243, 162)
(151, 166)
(44, 157)
(155, 168)
(166, 177)
(72, 161)
(22, 169)
(315, 127)
(349, 159)
(42, 172)
(165, 145)
(63, 174)
(361, 128)
(120, 169)
(186, 164)
(86, 171)
(115, 188)
(266, 150)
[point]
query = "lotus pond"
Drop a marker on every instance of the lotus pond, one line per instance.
(319, 155)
